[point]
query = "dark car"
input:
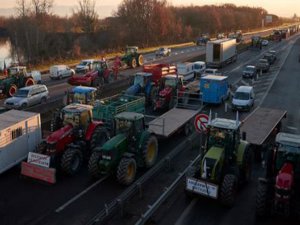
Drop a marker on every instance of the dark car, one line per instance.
(270, 57)
(263, 65)
(250, 71)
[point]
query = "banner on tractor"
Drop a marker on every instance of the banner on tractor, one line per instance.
(202, 187)
(38, 159)
(38, 172)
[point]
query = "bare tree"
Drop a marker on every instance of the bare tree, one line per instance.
(86, 16)
(22, 8)
(42, 7)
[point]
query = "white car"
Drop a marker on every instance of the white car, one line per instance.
(264, 42)
(28, 96)
(84, 66)
(164, 51)
(60, 71)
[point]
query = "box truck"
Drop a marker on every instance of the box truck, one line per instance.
(20, 133)
(220, 52)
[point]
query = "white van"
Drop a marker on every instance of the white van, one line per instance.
(60, 71)
(199, 68)
(243, 98)
(186, 70)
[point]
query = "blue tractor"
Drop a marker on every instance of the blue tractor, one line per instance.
(143, 84)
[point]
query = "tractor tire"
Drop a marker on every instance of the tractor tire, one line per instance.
(126, 171)
(228, 190)
(140, 60)
(93, 168)
(133, 63)
(246, 170)
(99, 137)
(71, 161)
(150, 151)
(12, 90)
(262, 206)
(29, 81)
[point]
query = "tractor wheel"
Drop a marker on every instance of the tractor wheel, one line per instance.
(150, 151)
(126, 171)
(247, 165)
(29, 81)
(262, 206)
(133, 63)
(140, 60)
(228, 190)
(93, 168)
(99, 137)
(12, 90)
(71, 161)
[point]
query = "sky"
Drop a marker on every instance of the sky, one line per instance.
(284, 8)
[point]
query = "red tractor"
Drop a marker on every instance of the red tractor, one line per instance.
(278, 192)
(170, 85)
(99, 75)
(75, 140)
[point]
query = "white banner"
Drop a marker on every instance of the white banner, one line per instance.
(38, 159)
(201, 187)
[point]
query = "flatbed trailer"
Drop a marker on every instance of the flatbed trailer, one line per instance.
(261, 127)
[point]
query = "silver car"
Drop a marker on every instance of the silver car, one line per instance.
(27, 96)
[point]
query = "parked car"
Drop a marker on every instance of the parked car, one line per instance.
(84, 66)
(243, 98)
(60, 71)
(28, 96)
(274, 53)
(250, 71)
(164, 51)
(264, 42)
(270, 57)
(263, 65)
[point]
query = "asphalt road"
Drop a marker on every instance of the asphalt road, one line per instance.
(281, 92)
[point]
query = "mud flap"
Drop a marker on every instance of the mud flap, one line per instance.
(38, 172)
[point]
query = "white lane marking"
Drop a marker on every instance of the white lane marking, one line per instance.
(292, 128)
(59, 209)
(185, 213)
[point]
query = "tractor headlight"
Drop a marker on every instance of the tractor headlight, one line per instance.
(106, 157)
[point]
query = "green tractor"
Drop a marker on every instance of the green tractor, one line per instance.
(131, 147)
(132, 58)
(225, 165)
(17, 78)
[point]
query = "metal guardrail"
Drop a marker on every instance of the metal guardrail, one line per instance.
(117, 203)
(168, 191)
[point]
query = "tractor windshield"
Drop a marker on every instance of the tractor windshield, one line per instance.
(289, 149)
(170, 82)
(130, 51)
(79, 98)
(217, 136)
(123, 126)
(139, 80)
(71, 118)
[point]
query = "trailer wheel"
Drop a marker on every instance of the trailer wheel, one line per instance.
(93, 165)
(133, 63)
(228, 190)
(126, 171)
(71, 161)
(262, 206)
(150, 151)
(29, 82)
(140, 60)
(99, 137)
(12, 90)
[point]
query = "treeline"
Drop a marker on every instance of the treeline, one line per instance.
(37, 35)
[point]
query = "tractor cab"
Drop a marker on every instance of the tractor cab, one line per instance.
(131, 50)
(17, 70)
(173, 81)
(224, 133)
(142, 79)
(82, 95)
(99, 65)
(288, 150)
(130, 123)
(77, 115)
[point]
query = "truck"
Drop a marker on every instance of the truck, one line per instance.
(17, 77)
(214, 89)
(220, 52)
(80, 129)
(186, 70)
(132, 58)
(147, 82)
(20, 134)
(226, 161)
(277, 191)
(99, 75)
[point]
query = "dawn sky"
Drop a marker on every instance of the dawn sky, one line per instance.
(279, 7)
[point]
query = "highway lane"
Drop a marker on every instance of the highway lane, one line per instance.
(283, 94)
